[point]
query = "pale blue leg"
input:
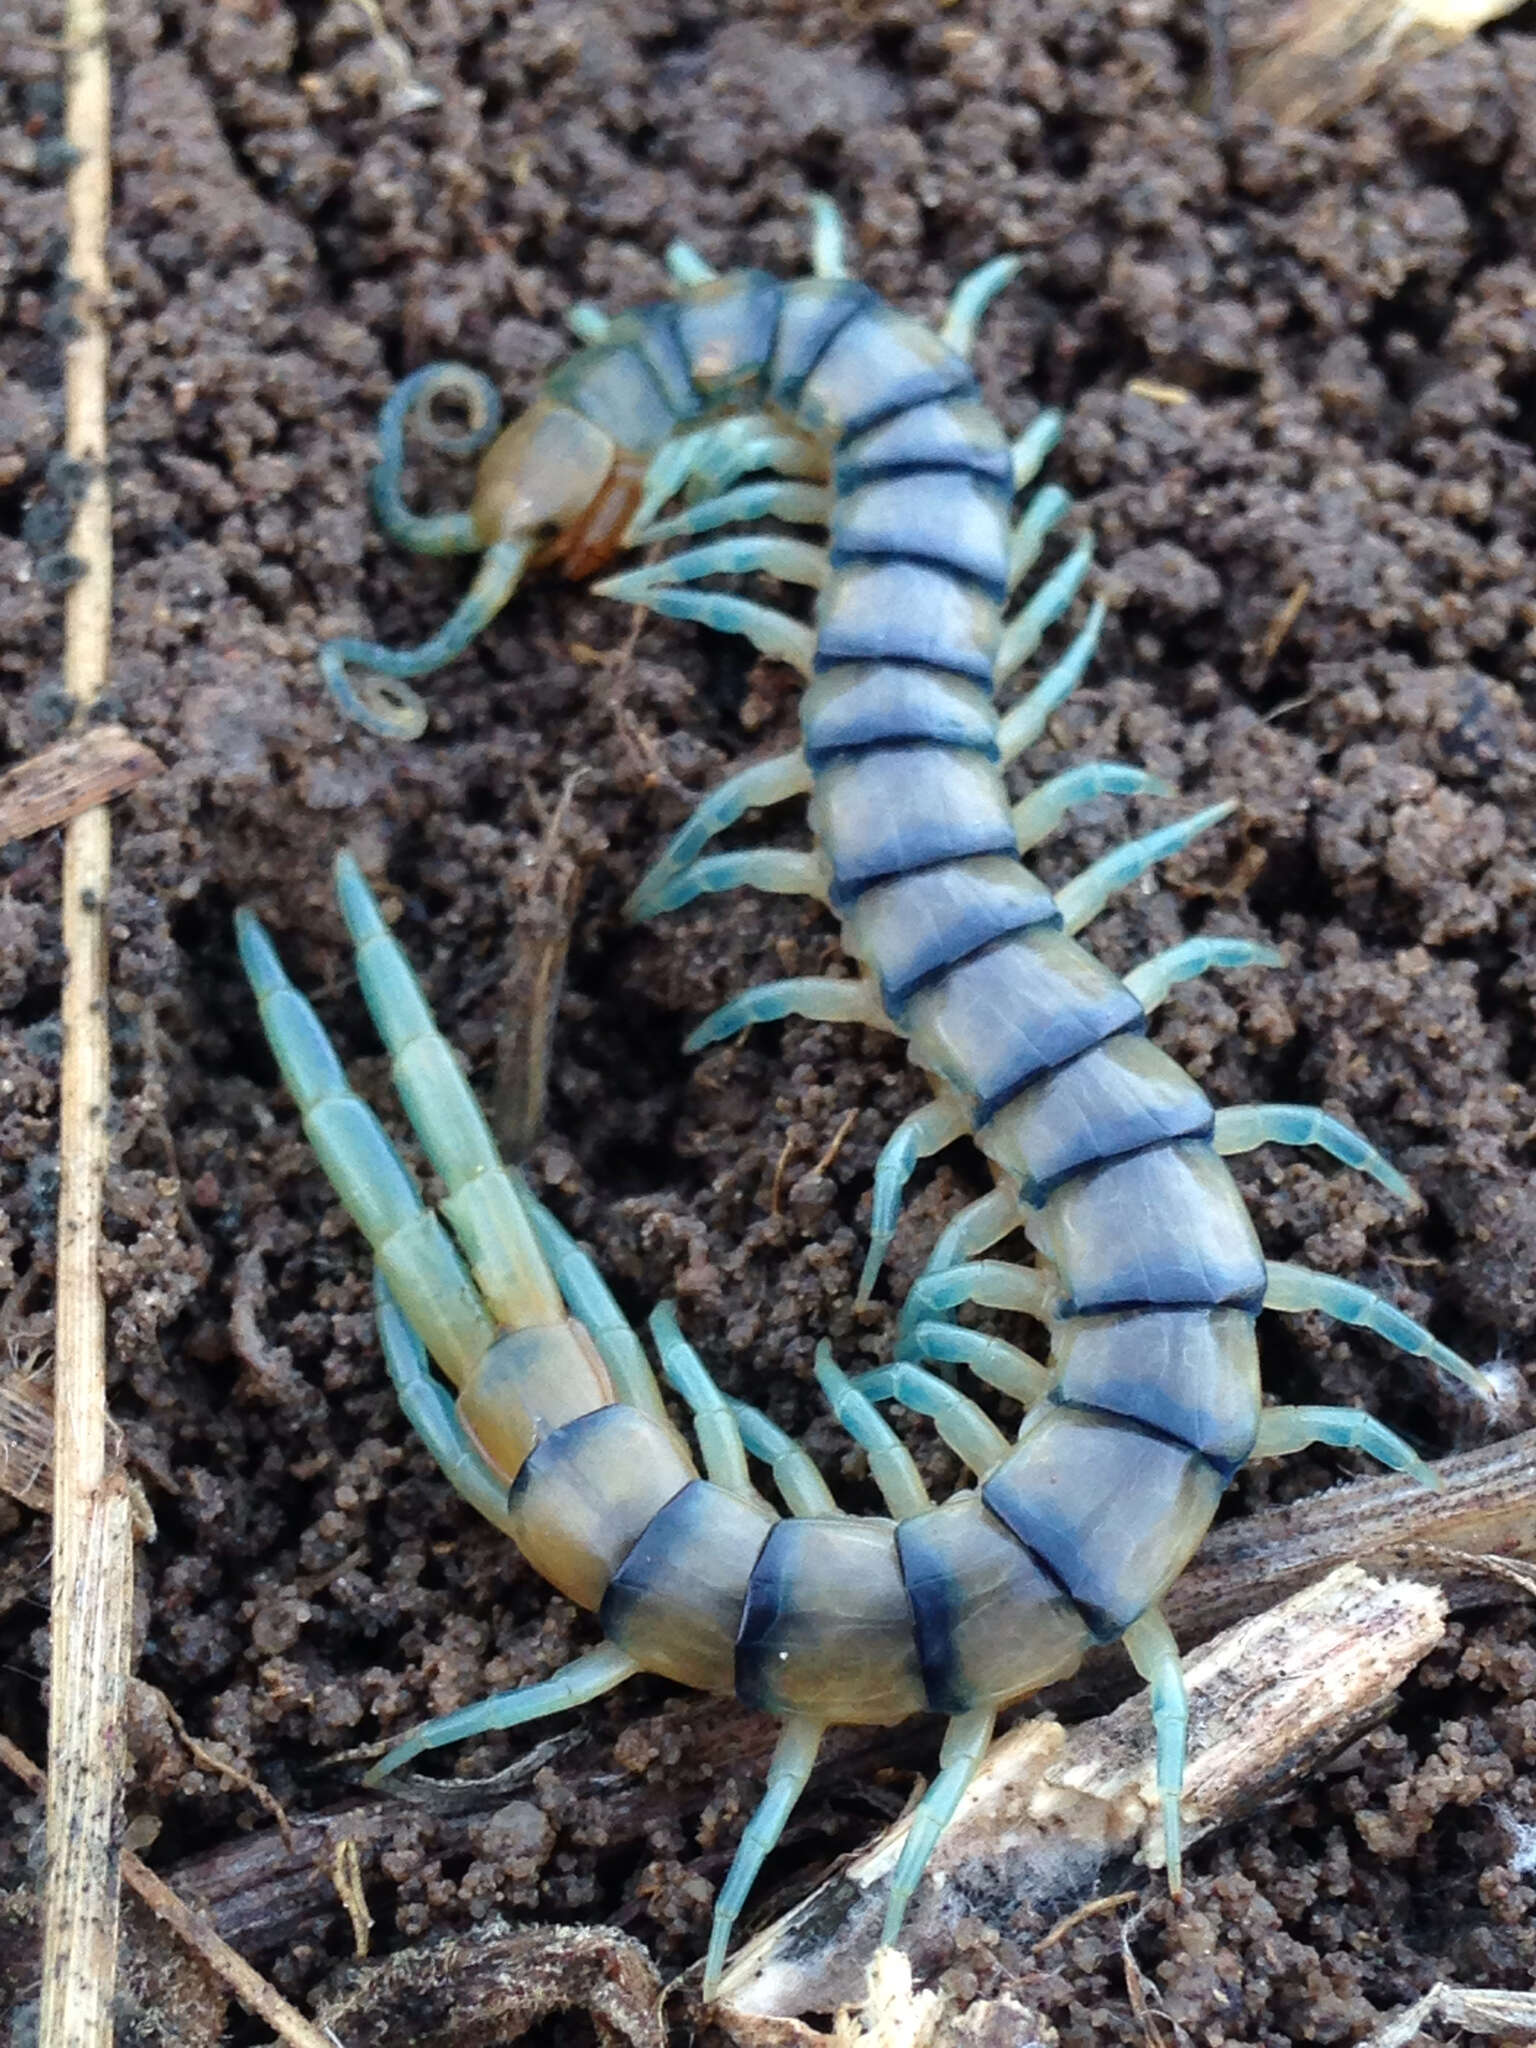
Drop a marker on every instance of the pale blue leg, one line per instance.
(971, 298)
(432, 1412)
(1151, 982)
(450, 533)
(687, 267)
(977, 1227)
(993, 1360)
(1284, 1430)
(1036, 816)
(803, 1490)
(1033, 446)
(1296, 1289)
(1086, 894)
(1022, 636)
(1156, 1656)
(587, 322)
(987, 1283)
(771, 632)
(745, 554)
(385, 704)
(890, 1462)
(828, 251)
(715, 1426)
(787, 1774)
(766, 782)
(1023, 725)
(966, 1741)
(811, 995)
(919, 1136)
(587, 1296)
(798, 504)
(1296, 1123)
(484, 1204)
(588, 1678)
(775, 870)
(970, 1433)
(1036, 523)
(413, 1249)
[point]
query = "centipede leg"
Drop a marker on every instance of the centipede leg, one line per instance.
(687, 267)
(704, 462)
(587, 1678)
(1033, 528)
(796, 503)
(970, 300)
(969, 1432)
(787, 1774)
(714, 1422)
(1284, 1430)
(1022, 636)
(890, 1462)
(978, 1226)
(1296, 1289)
(919, 1136)
(803, 1490)
(1023, 725)
(1150, 1643)
(992, 1360)
(432, 1412)
(586, 1294)
(773, 781)
(815, 996)
(1295, 1123)
(828, 237)
(775, 870)
(966, 1741)
(988, 1283)
(1152, 981)
(1086, 894)
(1037, 815)
(1033, 446)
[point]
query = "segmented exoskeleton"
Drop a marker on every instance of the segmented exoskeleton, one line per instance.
(560, 1438)
(1149, 1276)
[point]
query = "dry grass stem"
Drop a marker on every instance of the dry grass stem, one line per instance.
(1509, 2014)
(71, 776)
(93, 1541)
(1268, 1700)
(26, 1440)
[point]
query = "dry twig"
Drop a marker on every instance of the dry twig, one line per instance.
(93, 1544)
(73, 775)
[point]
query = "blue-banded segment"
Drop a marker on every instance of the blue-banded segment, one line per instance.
(906, 611)
(675, 1604)
(1165, 1228)
(1119, 1097)
(1065, 1491)
(587, 1494)
(728, 330)
(1191, 1374)
(615, 387)
(880, 364)
(912, 929)
(990, 1624)
(827, 1629)
(814, 313)
(947, 519)
(652, 332)
(889, 810)
(890, 703)
(1011, 1014)
(946, 434)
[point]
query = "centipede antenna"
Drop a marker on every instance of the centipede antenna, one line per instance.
(385, 704)
(410, 404)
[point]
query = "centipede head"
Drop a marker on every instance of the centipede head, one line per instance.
(557, 480)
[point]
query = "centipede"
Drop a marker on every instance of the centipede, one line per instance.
(813, 403)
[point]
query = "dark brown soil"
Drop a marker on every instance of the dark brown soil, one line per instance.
(1353, 318)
